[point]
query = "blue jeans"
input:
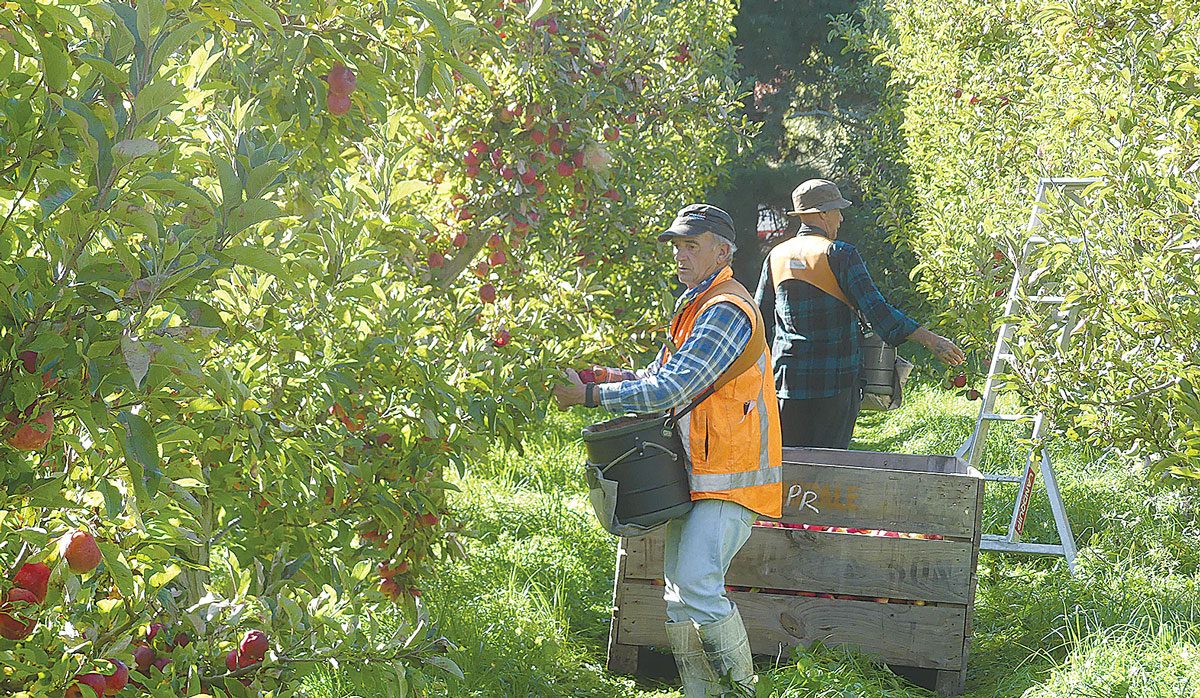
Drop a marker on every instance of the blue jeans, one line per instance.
(699, 548)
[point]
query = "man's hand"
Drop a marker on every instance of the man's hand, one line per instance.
(943, 349)
(571, 394)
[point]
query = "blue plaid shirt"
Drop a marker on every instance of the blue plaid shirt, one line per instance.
(719, 335)
(814, 336)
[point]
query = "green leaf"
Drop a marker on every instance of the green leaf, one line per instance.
(57, 194)
(252, 212)
(98, 136)
(424, 80)
(257, 258)
(134, 148)
(445, 664)
(437, 18)
(231, 185)
(56, 65)
(155, 96)
(120, 572)
(469, 73)
(173, 42)
(137, 357)
(141, 455)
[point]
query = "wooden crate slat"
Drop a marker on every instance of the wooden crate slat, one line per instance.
(920, 636)
(889, 500)
(938, 571)
(875, 459)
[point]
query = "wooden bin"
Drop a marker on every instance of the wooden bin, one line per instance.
(795, 585)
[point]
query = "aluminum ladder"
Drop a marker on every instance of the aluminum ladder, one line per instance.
(1038, 459)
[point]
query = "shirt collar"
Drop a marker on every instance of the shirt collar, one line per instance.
(691, 294)
(806, 229)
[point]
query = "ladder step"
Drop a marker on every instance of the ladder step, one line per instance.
(1006, 417)
(1002, 544)
(1002, 478)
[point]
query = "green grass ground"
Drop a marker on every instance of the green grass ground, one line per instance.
(529, 610)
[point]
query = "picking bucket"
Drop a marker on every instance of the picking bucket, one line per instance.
(636, 472)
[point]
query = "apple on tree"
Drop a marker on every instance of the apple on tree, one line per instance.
(33, 577)
(80, 551)
(87, 684)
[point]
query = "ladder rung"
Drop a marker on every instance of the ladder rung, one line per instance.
(1002, 478)
(1006, 357)
(1006, 417)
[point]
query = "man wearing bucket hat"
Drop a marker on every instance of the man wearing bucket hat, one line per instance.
(808, 292)
(732, 440)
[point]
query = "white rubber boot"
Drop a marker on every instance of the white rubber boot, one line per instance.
(728, 651)
(695, 673)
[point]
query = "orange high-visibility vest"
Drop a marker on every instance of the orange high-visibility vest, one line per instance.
(733, 437)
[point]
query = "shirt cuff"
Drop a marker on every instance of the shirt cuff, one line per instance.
(609, 396)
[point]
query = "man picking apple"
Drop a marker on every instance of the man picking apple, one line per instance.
(809, 290)
(734, 451)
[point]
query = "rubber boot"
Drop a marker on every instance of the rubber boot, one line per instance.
(695, 673)
(728, 651)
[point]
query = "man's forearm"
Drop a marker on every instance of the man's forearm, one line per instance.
(942, 348)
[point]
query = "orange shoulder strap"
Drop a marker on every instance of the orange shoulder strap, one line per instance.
(805, 258)
(758, 339)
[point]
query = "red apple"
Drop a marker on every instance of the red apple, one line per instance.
(161, 663)
(612, 194)
(507, 173)
(231, 661)
(429, 519)
(33, 577)
(182, 639)
(495, 241)
(612, 133)
(537, 136)
(337, 104)
(502, 338)
(497, 258)
(557, 146)
(33, 434)
(143, 657)
(487, 293)
(471, 159)
(17, 623)
(472, 171)
(960, 380)
(85, 684)
(115, 681)
(480, 147)
(481, 269)
(80, 551)
(528, 177)
(460, 240)
(436, 259)
(973, 394)
(254, 644)
(565, 168)
(341, 80)
(390, 589)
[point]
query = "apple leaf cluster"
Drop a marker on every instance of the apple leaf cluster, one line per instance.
(982, 100)
(272, 272)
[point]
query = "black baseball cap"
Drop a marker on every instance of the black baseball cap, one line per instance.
(698, 219)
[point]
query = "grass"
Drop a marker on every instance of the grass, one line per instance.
(529, 610)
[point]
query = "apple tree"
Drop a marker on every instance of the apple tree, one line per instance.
(274, 272)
